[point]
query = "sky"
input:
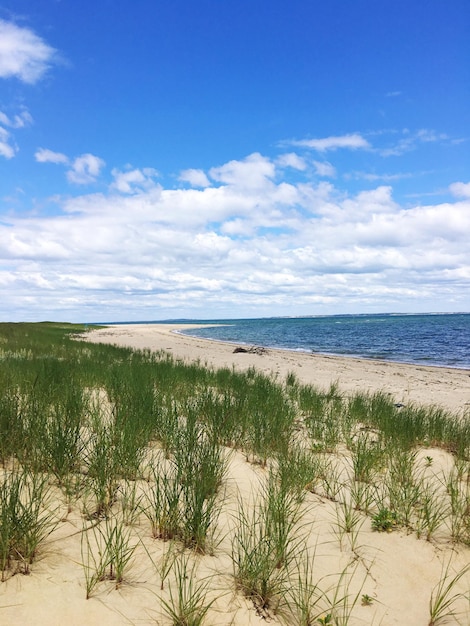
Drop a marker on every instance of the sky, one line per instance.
(212, 159)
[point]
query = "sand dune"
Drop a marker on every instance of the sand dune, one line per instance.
(393, 573)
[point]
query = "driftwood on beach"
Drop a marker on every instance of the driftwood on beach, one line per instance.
(252, 350)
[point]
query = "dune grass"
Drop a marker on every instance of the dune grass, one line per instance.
(139, 439)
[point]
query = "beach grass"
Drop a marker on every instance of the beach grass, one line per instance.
(139, 444)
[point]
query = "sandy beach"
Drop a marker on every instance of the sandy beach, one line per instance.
(391, 577)
(446, 387)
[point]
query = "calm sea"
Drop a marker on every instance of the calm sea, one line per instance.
(424, 339)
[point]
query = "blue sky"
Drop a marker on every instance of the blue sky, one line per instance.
(212, 159)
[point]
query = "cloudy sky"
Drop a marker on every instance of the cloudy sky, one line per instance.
(220, 158)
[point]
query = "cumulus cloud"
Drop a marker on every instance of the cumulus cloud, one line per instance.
(323, 168)
(353, 141)
(251, 243)
(85, 169)
(195, 177)
(133, 180)
(461, 190)
(252, 172)
(27, 57)
(292, 160)
(23, 54)
(43, 155)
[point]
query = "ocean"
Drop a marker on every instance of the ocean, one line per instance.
(431, 339)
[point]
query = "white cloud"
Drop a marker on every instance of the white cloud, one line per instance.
(43, 155)
(410, 141)
(20, 120)
(425, 135)
(375, 201)
(253, 172)
(27, 57)
(23, 54)
(133, 181)
(461, 190)
(238, 227)
(85, 169)
(323, 168)
(7, 149)
(292, 160)
(353, 141)
(252, 244)
(376, 177)
(195, 177)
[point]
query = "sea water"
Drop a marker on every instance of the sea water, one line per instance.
(431, 339)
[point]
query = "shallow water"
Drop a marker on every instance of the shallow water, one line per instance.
(442, 340)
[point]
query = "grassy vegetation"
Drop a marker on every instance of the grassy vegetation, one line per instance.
(135, 437)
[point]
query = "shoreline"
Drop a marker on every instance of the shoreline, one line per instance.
(445, 387)
(319, 353)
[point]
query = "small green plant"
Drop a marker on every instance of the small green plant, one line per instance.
(364, 496)
(367, 456)
(93, 560)
(348, 524)
(263, 547)
(297, 470)
(459, 506)
(292, 380)
(305, 594)
(165, 563)
(102, 470)
(119, 550)
(281, 511)
(384, 521)
(339, 598)
(24, 519)
(107, 554)
(332, 482)
(432, 512)
(402, 485)
(131, 501)
(161, 503)
(188, 604)
(366, 600)
(428, 461)
(444, 597)
(325, 620)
